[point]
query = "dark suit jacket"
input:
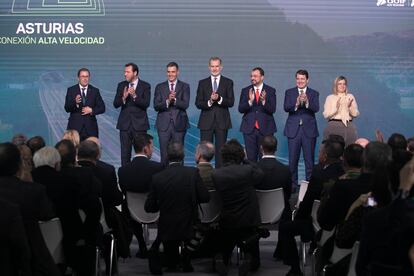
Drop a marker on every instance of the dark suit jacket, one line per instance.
(76, 119)
(276, 175)
(175, 112)
(111, 195)
(34, 206)
(14, 249)
(236, 186)
(263, 114)
(133, 112)
(306, 114)
(175, 193)
(317, 182)
(136, 176)
(218, 113)
(343, 193)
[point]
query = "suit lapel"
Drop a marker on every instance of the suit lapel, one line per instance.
(89, 95)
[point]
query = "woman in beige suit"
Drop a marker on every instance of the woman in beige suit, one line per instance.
(340, 109)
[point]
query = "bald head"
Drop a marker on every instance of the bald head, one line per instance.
(363, 142)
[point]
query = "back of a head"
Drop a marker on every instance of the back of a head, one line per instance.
(141, 141)
(94, 139)
(410, 144)
(353, 156)
(232, 152)
(9, 159)
(338, 139)
(206, 150)
(376, 155)
(19, 139)
(269, 144)
(363, 142)
(46, 156)
(397, 142)
(88, 150)
(35, 143)
(73, 136)
(175, 152)
(67, 152)
(333, 149)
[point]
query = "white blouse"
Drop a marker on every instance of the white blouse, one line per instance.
(344, 113)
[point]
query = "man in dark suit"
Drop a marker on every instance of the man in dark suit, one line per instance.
(84, 102)
(258, 104)
(171, 101)
(33, 204)
(203, 156)
(240, 213)
(136, 177)
(301, 103)
(133, 95)
(321, 178)
(215, 96)
(175, 193)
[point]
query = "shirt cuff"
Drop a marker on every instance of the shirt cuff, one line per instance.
(221, 100)
(209, 103)
(250, 103)
(167, 103)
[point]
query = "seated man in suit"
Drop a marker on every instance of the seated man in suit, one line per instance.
(83, 102)
(240, 213)
(302, 223)
(171, 101)
(175, 193)
(276, 175)
(257, 104)
(203, 156)
(34, 206)
(136, 177)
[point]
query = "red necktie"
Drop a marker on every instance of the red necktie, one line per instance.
(256, 125)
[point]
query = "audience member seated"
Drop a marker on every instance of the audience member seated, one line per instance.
(387, 233)
(19, 139)
(320, 181)
(352, 161)
(64, 195)
(73, 136)
(236, 183)
(36, 143)
(176, 192)
(397, 142)
(25, 169)
(276, 175)
(31, 198)
(203, 156)
(410, 145)
(136, 177)
(363, 142)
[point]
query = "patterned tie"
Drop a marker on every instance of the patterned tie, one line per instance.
(215, 86)
(171, 86)
(83, 96)
(256, 125)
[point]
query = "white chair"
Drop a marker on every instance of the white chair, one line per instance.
(136, 203)
(355, 250)
(53, 236)
(272, 204)
(210, 212)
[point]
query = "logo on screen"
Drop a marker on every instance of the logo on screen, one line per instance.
(381, 2)
(52, 8)
(392, 3)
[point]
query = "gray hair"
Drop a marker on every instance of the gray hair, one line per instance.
(376, 155)
(46, 156)
(206, 150)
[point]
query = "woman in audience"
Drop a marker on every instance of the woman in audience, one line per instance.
(25, 170)
(340, 109)
(73, 136)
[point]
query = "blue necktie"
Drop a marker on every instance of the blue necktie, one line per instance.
(215, 86)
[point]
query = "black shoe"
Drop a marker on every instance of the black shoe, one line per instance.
(294, 272)
(154, 262)
(220, 267)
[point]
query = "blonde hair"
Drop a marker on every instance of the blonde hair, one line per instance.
(73, 136)
(335, 85)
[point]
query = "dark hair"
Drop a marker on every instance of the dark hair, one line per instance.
(269, 144)
(353, 155)
(141, 141)
(232, 152)
(19, 139)
(214, 58)
(172, 64)
(36, 143)
(303, 73)
(259, 69)
(397, 142)
(399, 159)
(336, 138)
(67, 152)
(333, 149)
(376, 155)
(134, 67)
(175, 152)
(83, 70)
(9, 159)
(88, 150)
